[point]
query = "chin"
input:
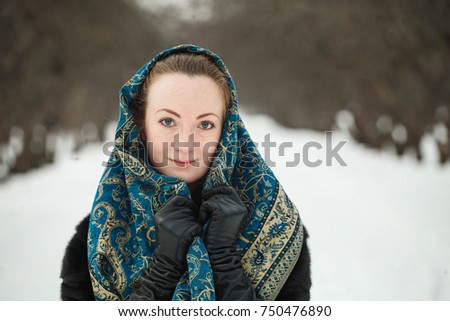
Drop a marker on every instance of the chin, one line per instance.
(190, 177)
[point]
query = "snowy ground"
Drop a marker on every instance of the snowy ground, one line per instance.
(379, 226)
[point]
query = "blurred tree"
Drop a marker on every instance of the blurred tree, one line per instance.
(302, 62)
(388, 62)
(61, 66)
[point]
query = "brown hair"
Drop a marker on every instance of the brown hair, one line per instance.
(185, 63)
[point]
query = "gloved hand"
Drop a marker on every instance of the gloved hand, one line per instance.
(225, 209)
(176, 227)
(227, 214)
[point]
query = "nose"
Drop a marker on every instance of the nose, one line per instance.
(185, 144)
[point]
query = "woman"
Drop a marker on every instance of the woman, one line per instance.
(194, 213)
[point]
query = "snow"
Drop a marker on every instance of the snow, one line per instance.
(378, 226)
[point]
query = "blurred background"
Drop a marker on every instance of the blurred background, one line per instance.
(377, 73)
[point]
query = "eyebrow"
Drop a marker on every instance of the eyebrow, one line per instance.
(176, 114)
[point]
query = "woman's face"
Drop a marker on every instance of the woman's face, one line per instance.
(183, 124)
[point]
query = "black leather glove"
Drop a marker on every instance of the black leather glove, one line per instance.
(176, 227)
(227, 214)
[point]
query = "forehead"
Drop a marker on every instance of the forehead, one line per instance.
(183, 93)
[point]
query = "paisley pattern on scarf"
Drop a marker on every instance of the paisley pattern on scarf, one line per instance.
(122, 234)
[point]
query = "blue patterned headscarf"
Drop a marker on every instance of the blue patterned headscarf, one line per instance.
(122, 236)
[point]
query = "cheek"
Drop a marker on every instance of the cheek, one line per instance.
(157, 145)
(209, 147)
(213, 140)
(153, 134)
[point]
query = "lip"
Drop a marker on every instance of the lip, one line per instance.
(182, 164)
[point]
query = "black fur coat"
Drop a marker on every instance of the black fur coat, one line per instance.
(76, 283)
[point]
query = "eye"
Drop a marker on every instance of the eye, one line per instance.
(168, 122)
(206, 125)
